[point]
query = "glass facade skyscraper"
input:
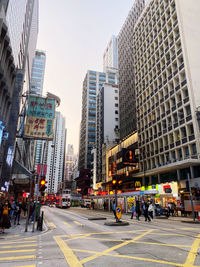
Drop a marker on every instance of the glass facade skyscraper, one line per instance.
(93, 82)
(37, 73)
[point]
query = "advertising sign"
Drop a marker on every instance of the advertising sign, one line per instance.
(40, 118)
(129, 157)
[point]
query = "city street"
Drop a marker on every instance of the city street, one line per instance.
(73, 240)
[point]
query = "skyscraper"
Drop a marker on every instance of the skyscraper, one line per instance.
(37, 73)
(107, 128)
(70, 161)
(166, 58)
(110, 56)
(22, 21)
(92, 83)
(127, 97)
(55, 154)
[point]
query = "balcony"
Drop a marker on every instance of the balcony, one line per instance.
(166, 147)
(181, 121)
(173, 108)
(169, 128)
(176, 125)
(167, 112)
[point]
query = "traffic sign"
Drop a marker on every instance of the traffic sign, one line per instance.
(118, 212)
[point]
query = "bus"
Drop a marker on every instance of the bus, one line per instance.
(63, 199)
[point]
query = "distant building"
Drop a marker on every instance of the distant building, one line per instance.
(37, 73)
(92, 84)
(107, 128)
(70, 161)
(110, 56)
(55, 154)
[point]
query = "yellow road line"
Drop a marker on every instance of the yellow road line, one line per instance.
(193, 252)
(99, 254)
(20, 246)
(167, 234)
(26, 266)
(70, 257)
(67, 224)
(160, 244)
(18, 258)
(17, 251)
(78, 223)
(16, 242)
(10, 236)
(146, 259)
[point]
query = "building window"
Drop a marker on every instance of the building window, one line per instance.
(116, 105)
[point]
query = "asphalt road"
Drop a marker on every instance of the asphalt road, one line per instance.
(73, 240)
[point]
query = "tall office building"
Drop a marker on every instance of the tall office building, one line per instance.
(22, 26)
(110, 56)
(55, 155)
(107, 127)
(166, 41)
(37, 80)
(37, 73)
(92, 83)
(127, 98)
(70, 161)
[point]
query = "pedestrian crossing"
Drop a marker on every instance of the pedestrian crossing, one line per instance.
(18, 253)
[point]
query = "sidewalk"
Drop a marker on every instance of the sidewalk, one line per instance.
(17, 231)
(127, 216)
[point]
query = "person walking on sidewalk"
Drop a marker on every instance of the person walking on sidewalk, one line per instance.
(132, 210)
(5, 220)
(151, 210)
(146, 212)
(18, 212)
(114, 210)
(138, 210)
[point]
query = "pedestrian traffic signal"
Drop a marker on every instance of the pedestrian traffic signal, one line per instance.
(42, 184)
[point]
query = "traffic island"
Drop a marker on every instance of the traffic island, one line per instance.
(97, 218)
(120, 223)
(192, 222)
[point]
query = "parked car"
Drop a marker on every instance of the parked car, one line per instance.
(160, 211)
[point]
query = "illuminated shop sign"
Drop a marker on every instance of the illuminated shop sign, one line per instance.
(129, 157)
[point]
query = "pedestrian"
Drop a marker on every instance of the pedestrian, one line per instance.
(24, 207)
(114, 210)
(12, 211)
(5, 220)
(132, 210)
(169, 208)
(18, 212)
(146, 212)
(104, 205)
(151, 210)
(138, 210)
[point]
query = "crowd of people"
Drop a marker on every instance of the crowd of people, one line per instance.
(11, 211)
(146, 208)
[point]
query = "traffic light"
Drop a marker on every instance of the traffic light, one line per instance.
(114, 183)
(42, 185)
(119, 184)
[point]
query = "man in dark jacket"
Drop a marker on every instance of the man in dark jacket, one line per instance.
(146, 212)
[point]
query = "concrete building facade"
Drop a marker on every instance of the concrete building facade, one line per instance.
(166, 52)
(55, 155)
(127, 97)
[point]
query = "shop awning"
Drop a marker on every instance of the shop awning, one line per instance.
(18, 168)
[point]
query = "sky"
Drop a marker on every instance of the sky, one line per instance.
(74, 34)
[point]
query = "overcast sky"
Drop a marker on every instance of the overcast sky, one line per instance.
(74, 34)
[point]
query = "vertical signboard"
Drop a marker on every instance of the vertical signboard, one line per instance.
(40, 118)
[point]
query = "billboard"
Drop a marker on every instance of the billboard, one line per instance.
(40, 118)
(129, 157)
